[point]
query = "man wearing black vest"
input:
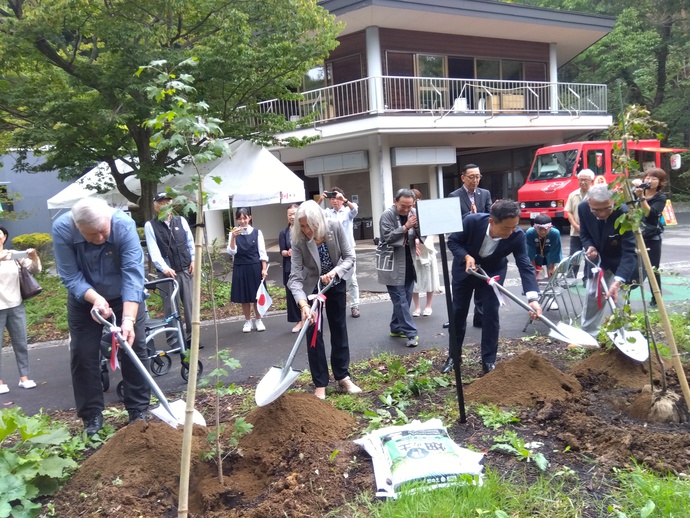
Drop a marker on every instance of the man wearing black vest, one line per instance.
(171, 248)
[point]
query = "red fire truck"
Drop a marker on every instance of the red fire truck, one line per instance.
(554, 173)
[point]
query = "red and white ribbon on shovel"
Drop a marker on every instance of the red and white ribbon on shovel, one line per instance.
(114, 348)
(318, 316)
(599, 273)
(493, 282)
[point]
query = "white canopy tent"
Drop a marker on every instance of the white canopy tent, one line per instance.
(97, 180)
(251, 176)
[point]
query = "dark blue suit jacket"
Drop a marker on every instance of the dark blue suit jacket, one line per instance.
(470, 240)
(482, 200)
(617, 252)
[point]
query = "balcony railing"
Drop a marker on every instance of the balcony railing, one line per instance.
(440, 96)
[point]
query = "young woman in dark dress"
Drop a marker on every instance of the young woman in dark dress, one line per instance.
(285, 244)
(246, 244)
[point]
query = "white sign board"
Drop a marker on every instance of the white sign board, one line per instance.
(441, 216)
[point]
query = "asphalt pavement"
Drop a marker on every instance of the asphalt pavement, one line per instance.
(257, 352)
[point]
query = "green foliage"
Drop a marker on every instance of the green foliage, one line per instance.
(36, 455)
(511, 444)
(493, 417)
(68, 74)
(644, 494)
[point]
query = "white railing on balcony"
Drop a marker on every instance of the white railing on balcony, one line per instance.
(440, 96)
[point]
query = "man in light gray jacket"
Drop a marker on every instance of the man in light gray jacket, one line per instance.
(394, 263)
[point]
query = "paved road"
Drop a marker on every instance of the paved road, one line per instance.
(258, 351)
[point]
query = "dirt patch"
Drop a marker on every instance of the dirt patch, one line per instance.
(524, 380)
(300, 460)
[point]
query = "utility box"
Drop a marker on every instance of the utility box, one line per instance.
(367, 228)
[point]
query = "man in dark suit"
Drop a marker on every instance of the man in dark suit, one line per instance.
(602, 240)
(473, 200)
(486, 240)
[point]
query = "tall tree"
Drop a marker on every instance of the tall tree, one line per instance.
(68, 84)
(647, 50)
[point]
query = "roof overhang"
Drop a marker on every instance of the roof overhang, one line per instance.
(571, 32)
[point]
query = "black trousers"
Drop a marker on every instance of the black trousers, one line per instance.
(85, 339)
(336, 303)
(654, 251)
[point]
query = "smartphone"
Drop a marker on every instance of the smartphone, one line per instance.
(331, 194)
(17, 255)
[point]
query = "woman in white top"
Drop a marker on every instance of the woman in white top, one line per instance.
(12, 311)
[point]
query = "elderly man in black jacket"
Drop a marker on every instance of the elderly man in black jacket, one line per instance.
(602, 240)
(487, 240)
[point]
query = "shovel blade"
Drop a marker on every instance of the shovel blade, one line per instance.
(273, 384)
(573, 335)
(631, 343)
(174, 414)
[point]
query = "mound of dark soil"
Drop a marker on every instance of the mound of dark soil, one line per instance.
(523, 380)
(610, 368)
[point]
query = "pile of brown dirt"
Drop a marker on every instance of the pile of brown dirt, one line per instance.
(131, 471)
(523, 380)
(297, 460)
(610, 368)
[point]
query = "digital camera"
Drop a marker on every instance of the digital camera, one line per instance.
(645, 186)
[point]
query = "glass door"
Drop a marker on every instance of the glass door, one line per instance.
(432, 92)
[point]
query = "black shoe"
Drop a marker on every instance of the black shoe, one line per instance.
(488, 367)
(446, 325)
(93, 424)
(477, 322)
(448, 366)
(652, 303)
(137, 415)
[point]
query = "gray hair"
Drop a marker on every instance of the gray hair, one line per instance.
(404, 193)
(91, 212)
(600, 193)
(316, 220)
(586, 173)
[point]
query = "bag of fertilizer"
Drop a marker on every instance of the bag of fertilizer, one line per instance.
(419, 456)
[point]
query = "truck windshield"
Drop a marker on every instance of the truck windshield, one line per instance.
(554, 165)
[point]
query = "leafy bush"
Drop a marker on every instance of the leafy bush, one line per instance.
(33, 461)
(42, 242)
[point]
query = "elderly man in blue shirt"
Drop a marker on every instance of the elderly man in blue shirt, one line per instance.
(101, 263)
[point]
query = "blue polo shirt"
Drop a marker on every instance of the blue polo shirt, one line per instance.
(115, 269)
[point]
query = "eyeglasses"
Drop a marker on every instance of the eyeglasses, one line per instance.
(473, 176)
(601, 209)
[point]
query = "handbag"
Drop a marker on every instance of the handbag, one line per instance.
(28, 285)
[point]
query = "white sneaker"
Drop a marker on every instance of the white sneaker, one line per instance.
(346, 385)
(259, 325)
(553, 306)
(4, 389)
(247, 327)
(28, 384)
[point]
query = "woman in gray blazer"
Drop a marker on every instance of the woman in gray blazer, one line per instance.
(321, 250)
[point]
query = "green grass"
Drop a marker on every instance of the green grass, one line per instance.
(496, 497)
(644, 494)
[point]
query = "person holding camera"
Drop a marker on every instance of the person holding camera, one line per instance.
(652, 202)
(250, 266)
(345, 212)
(12, 310)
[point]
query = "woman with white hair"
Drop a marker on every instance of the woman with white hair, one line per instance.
(321, 251)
